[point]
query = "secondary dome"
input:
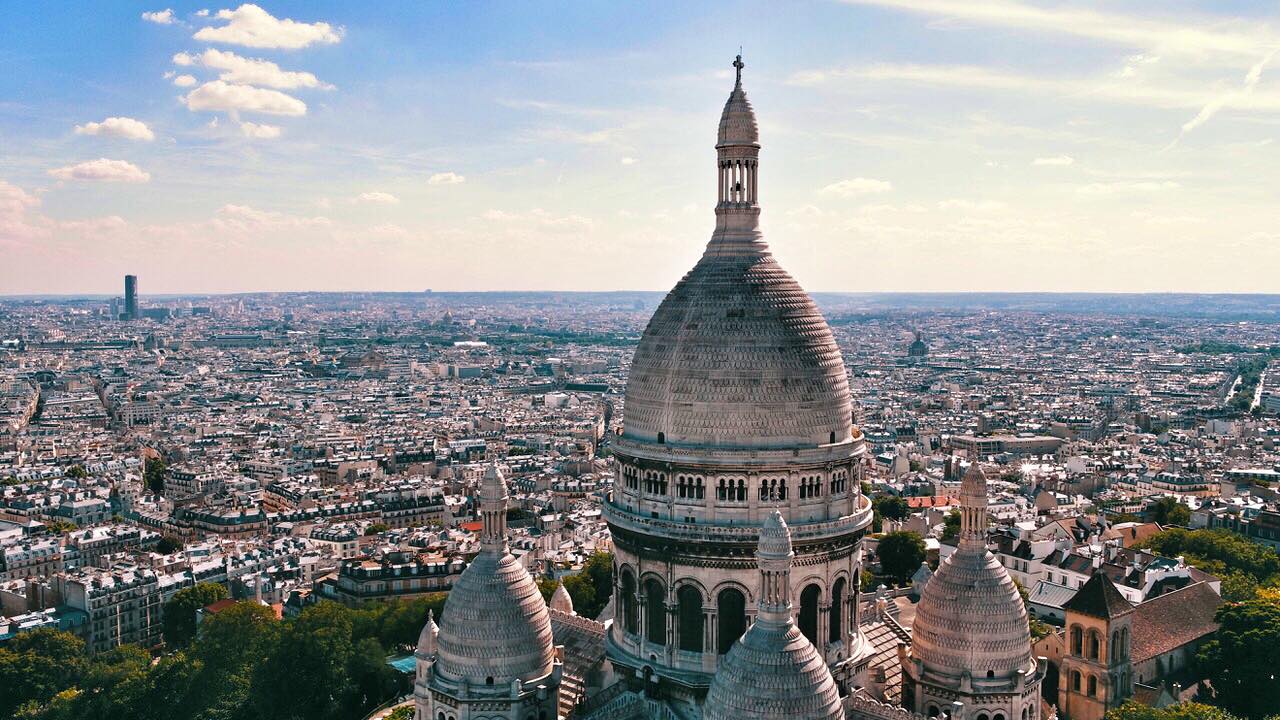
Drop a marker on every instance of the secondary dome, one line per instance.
(773, 672)
(971, 618)
(496, 626)
(737, 356)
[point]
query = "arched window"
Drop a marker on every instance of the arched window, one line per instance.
(998, 716)
(731, 618)
(655, 612)
(1094, 645)
(1093, 685)
(809, 612)
(1115, 645)
(1075, 680)
(933, 711)
(1077, 641)
(836, 617)
(982, 716)
(742, 490)
(690, 601)
(628, 589)
(662, 438)
(1124, 642)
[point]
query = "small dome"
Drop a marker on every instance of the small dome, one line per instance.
(738, 121)
(971, 618)
(427, 638)
(561, 601)
(773, 673)
(496, 625)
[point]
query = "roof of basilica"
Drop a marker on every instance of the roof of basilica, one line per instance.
(971, 617)
(737, 356)
(495, 622)
(773, 672)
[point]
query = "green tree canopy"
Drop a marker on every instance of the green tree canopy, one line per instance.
(180, 611)
(1217, 551)
(900, 554)
(1133, 710)
(1242, 658)
(1168, 511)
(169, 544)
(153, 475)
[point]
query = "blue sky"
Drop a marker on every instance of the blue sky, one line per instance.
(908, 144)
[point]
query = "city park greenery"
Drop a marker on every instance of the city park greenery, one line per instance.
(328, 662)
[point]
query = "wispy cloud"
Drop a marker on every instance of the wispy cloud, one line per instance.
(1055, 161)
(858, 186)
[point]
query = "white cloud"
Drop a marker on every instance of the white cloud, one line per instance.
(1055, 161)
(379, 198)
(242, 218)
(104, 170)
(219, 95)
(629, 161)
(121, 127)
(1128, 186)
(184, 80)
(184, 59)
(204, 12)
(971, 205)
(15, 224)
(251, 26)
(159, 17)
(446, 178)
(1195, 40)
(1251, 80)
(251, 71)
(260, 132)
(858, 186)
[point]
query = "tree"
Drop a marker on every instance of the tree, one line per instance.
(376, 528)
(77, 472)
(1242, 658)
(153, 475)
(1132, 710)
(900, 554)
(951, 527)
(404, 712)
(59, 526)
(180, 611)
(1168, 511)
(169, 544)
(1217, 551)
(36, 665)
(888, 506)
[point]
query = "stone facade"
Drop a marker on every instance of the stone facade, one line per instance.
(737, 404)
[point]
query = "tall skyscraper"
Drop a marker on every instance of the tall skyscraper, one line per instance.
(131, 297)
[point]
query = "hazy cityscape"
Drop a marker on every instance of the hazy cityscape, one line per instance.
(716, 497)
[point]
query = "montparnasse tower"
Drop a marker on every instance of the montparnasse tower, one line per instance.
(737, 404)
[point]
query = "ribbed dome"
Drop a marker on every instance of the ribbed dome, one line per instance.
(772, 673)
(495, 624)
(971, 617)
(738, 121)
(738, 356)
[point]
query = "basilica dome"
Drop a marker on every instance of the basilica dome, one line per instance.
(495, 627)
(737, 356)
(971, 619)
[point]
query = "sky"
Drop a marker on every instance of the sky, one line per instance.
(908, 145)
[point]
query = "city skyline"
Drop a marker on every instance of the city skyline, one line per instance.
(911, 145)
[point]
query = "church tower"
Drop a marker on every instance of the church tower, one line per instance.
(1096, 674)
(737, 406)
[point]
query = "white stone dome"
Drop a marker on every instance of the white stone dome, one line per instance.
(970, 617)
(495, 626)
(738, 356)
(773, 672)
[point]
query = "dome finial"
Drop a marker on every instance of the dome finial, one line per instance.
(738, 65)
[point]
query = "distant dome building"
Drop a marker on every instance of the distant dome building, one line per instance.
(918, 349)
(737, 403)
(773, 672)
(970, 642)
(493, 657)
